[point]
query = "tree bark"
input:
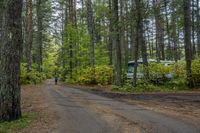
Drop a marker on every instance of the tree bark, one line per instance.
(169, 50)
(193, 47)
(110, 45)
(198, 28)
(159, 31)
(10, 56)
(174, 32)
(116, 38)
(90, 22)
(39, 35)
(28, 34)
(138, 39)
(188, 49)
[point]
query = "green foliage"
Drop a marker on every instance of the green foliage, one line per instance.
(79, 38)
(101, 75)
(179, 70)
(196, 72)
(172, 86)
(177, 83)
(158, 72)
(86, 76)
(13, 126)
(50, 61)
(33, 77)
(104, 75)
(49, 66)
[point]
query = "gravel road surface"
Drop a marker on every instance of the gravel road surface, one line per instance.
(83, 112)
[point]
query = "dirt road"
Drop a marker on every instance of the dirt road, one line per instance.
(83, 112)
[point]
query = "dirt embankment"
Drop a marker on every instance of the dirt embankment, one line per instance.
(34, 99)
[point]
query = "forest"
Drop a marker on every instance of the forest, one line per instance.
(91, 42)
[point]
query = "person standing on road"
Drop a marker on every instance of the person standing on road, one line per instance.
(56, 79)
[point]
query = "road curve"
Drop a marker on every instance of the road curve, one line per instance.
(83, 112)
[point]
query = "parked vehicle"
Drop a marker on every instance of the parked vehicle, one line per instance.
(168, 63)
(131, 65)
(140, 74)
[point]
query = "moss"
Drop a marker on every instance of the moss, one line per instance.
(13, 126)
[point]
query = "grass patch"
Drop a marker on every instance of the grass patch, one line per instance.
(25, 121)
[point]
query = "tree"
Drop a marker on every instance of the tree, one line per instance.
(39, 35)
(116, 39)
(141, 33)
(159, 30)
(28, 33)
(188, 49)
(174, 31)
(169, 52)
(198, 28)
(139, 41)
(110, 45)
(90, 23)
(10, 57)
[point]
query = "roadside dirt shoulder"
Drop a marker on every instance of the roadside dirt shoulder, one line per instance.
(35, 100)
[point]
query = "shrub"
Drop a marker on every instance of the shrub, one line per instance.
(179, 69)
(196, 72)
(86, 76)
(103, 75)
(158, 72)
(33, 77)
(100, 75)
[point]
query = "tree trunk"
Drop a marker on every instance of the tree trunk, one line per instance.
(10, 56)
(188, 51)
(193, 47)
(28, 34)
(138, 38)
(169, 50)
(132, 32)
(90, 22)
(143, 47)
(116, 38)
(142, 42)
(110, 45)
(198, 28)
(126, 35)
(159, 30)
(71, 22)
(39, 35)
(174, 33)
